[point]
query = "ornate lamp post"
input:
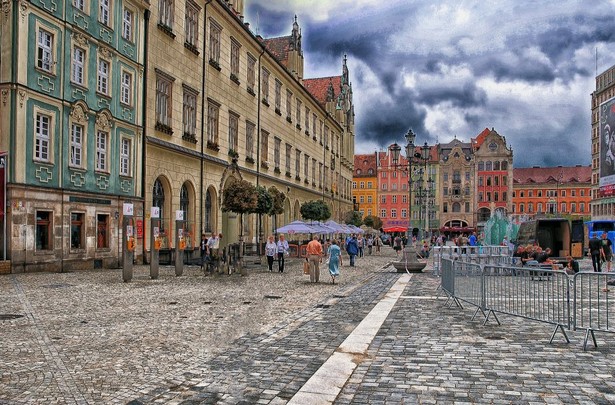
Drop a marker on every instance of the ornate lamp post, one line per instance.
(408, 262)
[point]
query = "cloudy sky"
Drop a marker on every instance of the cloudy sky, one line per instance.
(451, 68)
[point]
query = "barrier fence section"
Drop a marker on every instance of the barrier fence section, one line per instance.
(543, 295)
(593, 307)
(476, 254)
(539, 295)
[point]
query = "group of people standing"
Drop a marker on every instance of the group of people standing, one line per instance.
(210, 251)
(601, 250)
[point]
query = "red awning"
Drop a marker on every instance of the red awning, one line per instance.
(464, 229)
(395, 229)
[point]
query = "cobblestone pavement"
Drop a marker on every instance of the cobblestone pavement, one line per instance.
(86, 337)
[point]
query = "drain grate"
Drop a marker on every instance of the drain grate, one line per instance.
(494, 337)
(9, 317)
(273, 297)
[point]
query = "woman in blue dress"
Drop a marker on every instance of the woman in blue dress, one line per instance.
(335, 260)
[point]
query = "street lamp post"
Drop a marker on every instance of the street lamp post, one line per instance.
(408, 262)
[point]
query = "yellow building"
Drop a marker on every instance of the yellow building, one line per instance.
(365, 185)
(223, 105)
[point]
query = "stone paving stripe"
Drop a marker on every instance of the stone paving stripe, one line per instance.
(59, 371)
(327, 382)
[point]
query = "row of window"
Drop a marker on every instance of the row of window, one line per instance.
(44, 230)
(362, 184)
(492, 180)
(79, 67)
(549, 193)
(43, 145)
(551, 208)
(105, 16)
(392, 213)
(492, 166)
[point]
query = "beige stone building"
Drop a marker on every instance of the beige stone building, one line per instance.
(456, 183)
(224, 104)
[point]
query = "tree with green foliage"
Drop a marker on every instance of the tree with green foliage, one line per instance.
(353, 218)
(373, 222)
(277, 207)
(315, 210)
(240, 197)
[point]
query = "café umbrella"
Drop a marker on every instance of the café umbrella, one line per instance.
(296, 227)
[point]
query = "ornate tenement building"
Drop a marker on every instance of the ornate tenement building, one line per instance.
(494, 176)
(603, 146)
(159, 105)
(457, 184)
(71, 76)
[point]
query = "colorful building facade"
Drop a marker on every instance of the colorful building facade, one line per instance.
(71, 123)
(561, 190)
(162, 106)
(494, 176)
(365, 185)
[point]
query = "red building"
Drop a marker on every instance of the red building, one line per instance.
(552, 190)
(392, 191)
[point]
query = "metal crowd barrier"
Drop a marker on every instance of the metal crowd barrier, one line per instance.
(499, 255)
(543, 295)
(593, 307)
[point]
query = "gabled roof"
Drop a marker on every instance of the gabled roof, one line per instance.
(320, 88)
(478, 141)
(552, 175)
(364, 163)
(279, 47)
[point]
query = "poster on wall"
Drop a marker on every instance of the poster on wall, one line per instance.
(2, 184)
(606, 131)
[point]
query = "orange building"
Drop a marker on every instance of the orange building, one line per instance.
(551, 190)
(365, 185)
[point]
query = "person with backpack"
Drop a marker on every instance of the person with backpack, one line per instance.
(352, 248)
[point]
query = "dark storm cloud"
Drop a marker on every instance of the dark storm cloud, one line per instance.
(499, 72)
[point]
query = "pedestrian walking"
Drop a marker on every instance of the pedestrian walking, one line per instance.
(335, 260)
(361, 245)
(203, 250)
(314, 252)
(397, 245)
(370, 244)
(271, 249)
(607, 251)
(282, 249)
(595, 250)
(378, 243)
(352, 248)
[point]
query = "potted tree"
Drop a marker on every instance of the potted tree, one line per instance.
(240, 197)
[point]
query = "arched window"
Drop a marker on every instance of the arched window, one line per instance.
(488, 166)
(496, 165)
(208, 204)
(158, 200)
(184, 201)
(456, 207)
(504, 165)
(481, 166)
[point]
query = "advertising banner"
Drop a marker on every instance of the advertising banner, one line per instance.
(606, 131)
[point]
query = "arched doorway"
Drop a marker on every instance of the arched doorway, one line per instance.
(287, 212)
(210, 219)
(161, 198)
